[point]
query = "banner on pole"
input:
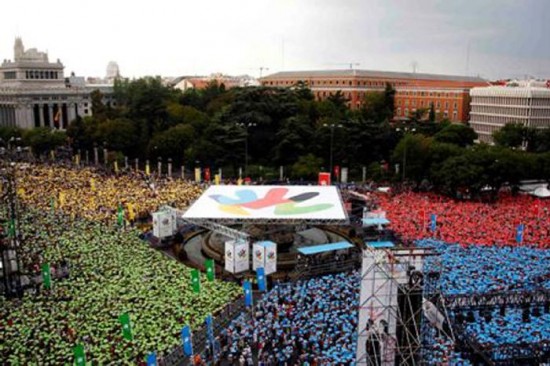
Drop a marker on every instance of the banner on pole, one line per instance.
(247, 287)
(519, 233)
(260, 276)
(187, 341)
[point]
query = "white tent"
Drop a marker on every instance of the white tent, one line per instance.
(541, 192)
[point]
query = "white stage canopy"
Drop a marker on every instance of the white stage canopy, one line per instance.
(313, 204)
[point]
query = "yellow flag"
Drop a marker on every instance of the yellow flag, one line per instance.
(147, 169)
(77, 159)
(131, 212)
(21, 192)
(197, 175)
(61, 199)
(217, 179)
(92, 184)
(116, 166)
(239, 182)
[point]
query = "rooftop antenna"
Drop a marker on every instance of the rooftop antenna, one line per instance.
(468, 59)
(414, 66)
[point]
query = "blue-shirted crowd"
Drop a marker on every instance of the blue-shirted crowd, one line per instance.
(309, 322)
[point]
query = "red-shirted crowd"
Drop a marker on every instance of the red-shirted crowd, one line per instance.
(467, 222)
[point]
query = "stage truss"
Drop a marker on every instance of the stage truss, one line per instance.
(393, 307)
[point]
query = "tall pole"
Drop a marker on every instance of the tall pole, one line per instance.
(246, 151)
(404, 161)
(331, 142)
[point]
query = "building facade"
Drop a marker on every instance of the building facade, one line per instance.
(35, 93)
(524, 102)
(449, 94)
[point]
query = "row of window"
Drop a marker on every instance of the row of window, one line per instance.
(429, 94)
(500, 100)
(334, 82)
(496, 120)
(426, 103)
(501, 110)
(9, 75)
(42, 74)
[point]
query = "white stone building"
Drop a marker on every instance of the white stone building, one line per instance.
(34, 91)
(525, 102)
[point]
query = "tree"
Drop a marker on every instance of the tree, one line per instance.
(172, 143)
(307, 167)
(413, 151)
(511, 135)
(458, 134)
(43, 139)
(431, 114)
(119, 134)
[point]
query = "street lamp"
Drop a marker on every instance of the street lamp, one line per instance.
(405, 130)
(332, 126)
(246, 126)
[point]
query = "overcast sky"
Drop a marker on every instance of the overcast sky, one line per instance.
(490, 38)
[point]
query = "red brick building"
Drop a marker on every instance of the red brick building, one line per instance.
(449, 94)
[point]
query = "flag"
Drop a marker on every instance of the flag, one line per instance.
(260, 274)
(11, 228)
(247, 293)
(197, 175)
(324, 179)
(239, 182)
(519, 233)
(124, 319)
(207, 174)
(79, 356)
(52, 204)
(210, 329)
(92, 184)
(337, 172)
(46, 276)
(57, 117)
(195, 281)
(217, 179)
(116, 166)
(210, 269)
(187, 341)
(152, 359)
(147, 169)
(131, 211)
(120, 215)
(61, 199)
(433, 222)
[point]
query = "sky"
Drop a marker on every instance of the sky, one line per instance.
(489, 38)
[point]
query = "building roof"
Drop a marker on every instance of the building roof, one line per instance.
(510, 91)
(372, 73)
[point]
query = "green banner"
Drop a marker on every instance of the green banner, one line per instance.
(46, 276)
(124, 319)
(210, 269)
(120, 215)
(195, 281)
(79, 356)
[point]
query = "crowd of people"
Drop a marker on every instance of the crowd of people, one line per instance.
(475, 269)
(96, 195)
(310, 322)
(99, 271)
(468, 222)
(480, 269)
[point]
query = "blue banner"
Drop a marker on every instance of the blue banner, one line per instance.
(260, 274)
(433, 222)
(247, 293)
(187, 341)
(519, 233)
(152, 359)
(210, 329)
